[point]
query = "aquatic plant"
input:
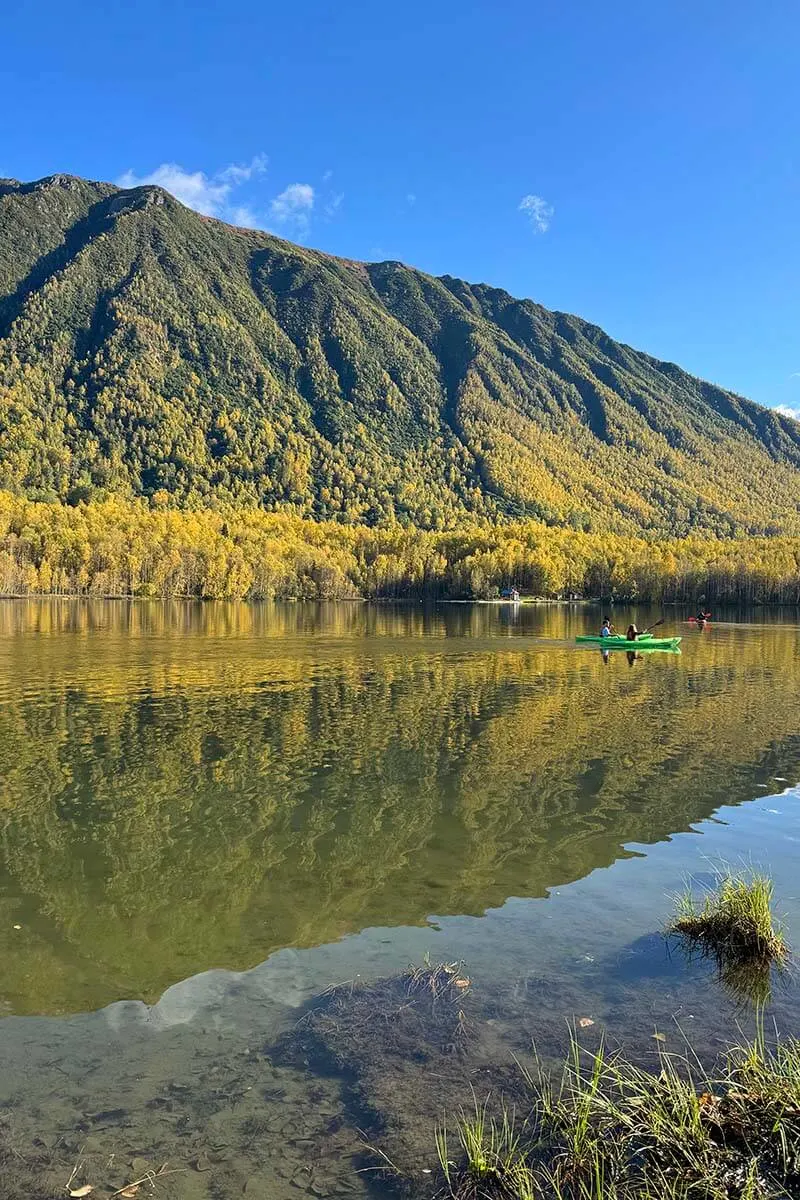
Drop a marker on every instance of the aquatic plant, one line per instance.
(611, 1130)
(371, 1030)
(490, 1162)
(735, 927)
(447, 981)
(618, 1129)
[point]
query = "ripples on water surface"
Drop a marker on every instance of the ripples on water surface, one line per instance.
(211, 813)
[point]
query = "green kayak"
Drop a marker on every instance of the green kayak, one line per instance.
(645, 641)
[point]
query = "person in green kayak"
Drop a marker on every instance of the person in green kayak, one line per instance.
(632, 633)
(607, 628)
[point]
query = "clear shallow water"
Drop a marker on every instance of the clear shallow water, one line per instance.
(210, 814)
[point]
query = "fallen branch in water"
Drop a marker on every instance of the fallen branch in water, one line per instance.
(130, 1189)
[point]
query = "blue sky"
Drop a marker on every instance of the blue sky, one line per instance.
(638, 164)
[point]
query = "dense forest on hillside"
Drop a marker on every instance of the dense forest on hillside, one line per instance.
(130, 548)
(149, 352)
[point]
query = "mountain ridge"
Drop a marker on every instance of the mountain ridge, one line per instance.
(146, 350)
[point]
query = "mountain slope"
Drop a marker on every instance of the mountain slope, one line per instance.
(147, 350)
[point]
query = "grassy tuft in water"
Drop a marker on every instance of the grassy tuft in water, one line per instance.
(734, 925)
(447, 981)
(490, 1162)
(675, 1132)
(610, 1130)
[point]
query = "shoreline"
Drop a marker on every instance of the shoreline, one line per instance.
(523, 602)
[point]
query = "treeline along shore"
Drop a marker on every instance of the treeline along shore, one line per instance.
(129, 548)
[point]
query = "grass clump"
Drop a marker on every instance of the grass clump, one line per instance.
(734, 925)
(616, 1130)
(611, 1130)
(443, 981)
(490, 1162)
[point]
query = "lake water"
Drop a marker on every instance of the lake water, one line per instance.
(210, 814)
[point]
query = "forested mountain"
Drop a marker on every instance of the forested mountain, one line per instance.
(146, 350)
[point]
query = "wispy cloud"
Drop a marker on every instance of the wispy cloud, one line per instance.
(224, 194)
(243, 216)
(207, 194)
(538, 211)
(795, 375)
(238, 173)
(195, 189)
(786, 410)
(333, 204)
(293, 208)
(411, 199)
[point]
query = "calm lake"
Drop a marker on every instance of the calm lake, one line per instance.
(210, 814)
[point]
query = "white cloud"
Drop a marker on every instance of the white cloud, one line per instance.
(238, 173)
(206, 194)
(538, 211)
(193, 188)
(243, 216)
(333, 204)
(297, 197)
(795, 375)
(216, 194)
(293, 207)
(787, 411)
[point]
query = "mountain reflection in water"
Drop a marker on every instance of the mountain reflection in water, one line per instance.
(186, 787)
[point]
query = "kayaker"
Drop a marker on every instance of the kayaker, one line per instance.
(632, 633)
(606, 629)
